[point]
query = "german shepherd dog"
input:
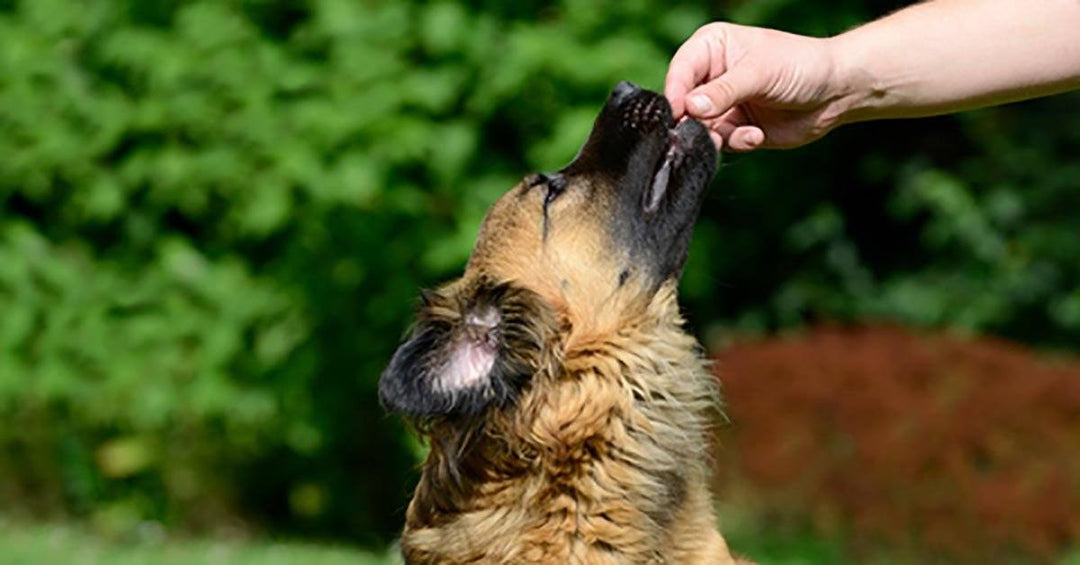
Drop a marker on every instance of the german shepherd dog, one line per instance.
(566, 408)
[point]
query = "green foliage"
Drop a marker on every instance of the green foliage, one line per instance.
(214, 217)
(967, 226)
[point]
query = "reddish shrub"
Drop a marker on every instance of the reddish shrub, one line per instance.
(963, 446)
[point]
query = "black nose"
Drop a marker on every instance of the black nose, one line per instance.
(623, 91)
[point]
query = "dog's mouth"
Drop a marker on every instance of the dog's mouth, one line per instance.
(680, 143)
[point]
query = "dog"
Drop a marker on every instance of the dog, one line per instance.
(566, 408)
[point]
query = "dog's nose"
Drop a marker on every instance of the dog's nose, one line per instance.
(623, 91)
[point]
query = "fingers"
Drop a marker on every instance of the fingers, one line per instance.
(690, 66)
(745, 138)
(732, 132)
(731, 88)
(700, 58)
(741, 140)
(736, 139)
(717, 140)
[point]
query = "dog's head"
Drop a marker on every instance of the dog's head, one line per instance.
(562, 259)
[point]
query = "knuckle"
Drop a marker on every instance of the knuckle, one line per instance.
(723, 93)
(714, 27)
(709, 29)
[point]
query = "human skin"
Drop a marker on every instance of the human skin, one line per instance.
(757, 87)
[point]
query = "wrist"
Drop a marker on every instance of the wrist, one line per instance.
(861, 94)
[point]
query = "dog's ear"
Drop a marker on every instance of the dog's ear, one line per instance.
(471, 348)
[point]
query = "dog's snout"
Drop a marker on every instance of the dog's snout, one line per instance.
(637, 109)
(645, 114)
(623, 92)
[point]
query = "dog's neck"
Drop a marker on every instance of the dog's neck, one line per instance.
(613, 435)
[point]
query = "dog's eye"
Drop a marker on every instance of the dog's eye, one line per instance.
(556, 185)
(536, 179)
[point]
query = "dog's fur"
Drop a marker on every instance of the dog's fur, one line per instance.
(567, 409)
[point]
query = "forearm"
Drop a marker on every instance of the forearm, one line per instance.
(949, 55)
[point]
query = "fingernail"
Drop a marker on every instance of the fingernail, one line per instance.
(701, 104)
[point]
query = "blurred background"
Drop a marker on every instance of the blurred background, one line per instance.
(215, 217)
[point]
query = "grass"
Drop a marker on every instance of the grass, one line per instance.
(789, 549)
(61, 544)
(65, 545)
(58, 544)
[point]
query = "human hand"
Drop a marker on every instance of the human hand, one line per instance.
(756, 87)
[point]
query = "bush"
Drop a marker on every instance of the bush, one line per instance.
(946, 444)
(214, 217)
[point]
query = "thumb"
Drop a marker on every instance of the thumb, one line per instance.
(728, 90)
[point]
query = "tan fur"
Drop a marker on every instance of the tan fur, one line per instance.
(603, 457)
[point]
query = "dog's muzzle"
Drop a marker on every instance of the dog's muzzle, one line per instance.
(658, 169)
